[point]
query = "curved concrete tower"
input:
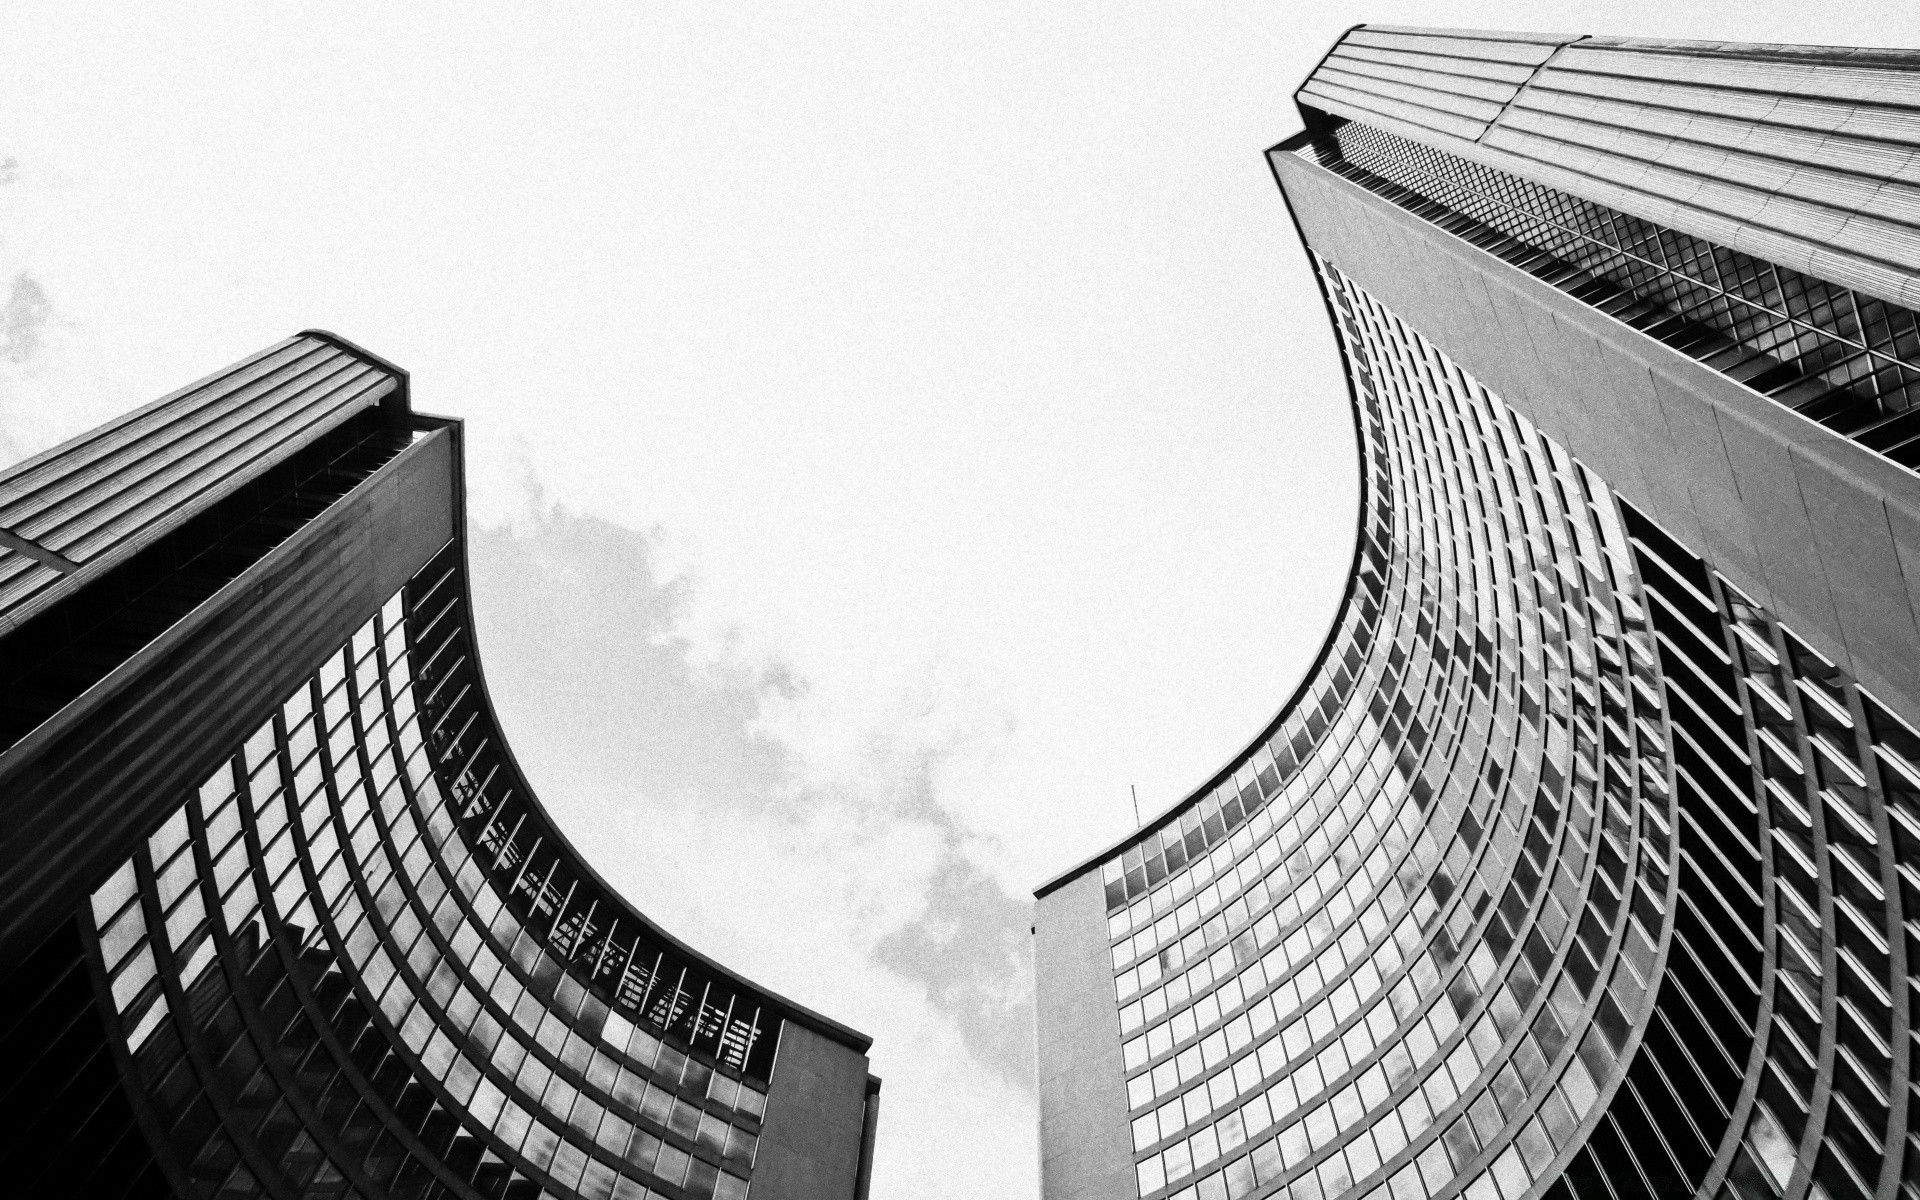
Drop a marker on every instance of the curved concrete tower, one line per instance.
(1585, 863)
(279, 914)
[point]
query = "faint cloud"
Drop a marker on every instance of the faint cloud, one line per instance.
(693, 781)
(24, 406)
(621, 720)
(9, 170)
(23, 318)
(971, 949)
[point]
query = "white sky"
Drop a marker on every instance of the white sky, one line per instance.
(949, 378)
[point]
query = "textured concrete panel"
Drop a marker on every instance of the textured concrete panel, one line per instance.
(1904, 526)
(1698, 456)
(810, 1146)
(1084, 1150)
(1868, 589)
(1868, 592)
(1795, 571)
(1629, 381)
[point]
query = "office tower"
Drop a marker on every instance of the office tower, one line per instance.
(1585, 861)
(279, 914)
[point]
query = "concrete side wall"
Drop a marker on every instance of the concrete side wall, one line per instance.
(81, 791)
(1086, 1148)
(816, 1108)
(1821, 531)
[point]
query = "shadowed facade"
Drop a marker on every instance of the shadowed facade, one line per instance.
(279, 914)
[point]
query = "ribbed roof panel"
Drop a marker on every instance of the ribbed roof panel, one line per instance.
(1805, 156)
(98, 498)
(21, 577)
(1459, 81)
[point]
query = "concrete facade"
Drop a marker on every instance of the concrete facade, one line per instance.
(811, 1145)
(1083, 1113)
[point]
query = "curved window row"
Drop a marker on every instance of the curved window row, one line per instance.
(1773, 1065)
(630, 967)
(322, 991)
(1787, 770)
(1410, 941)
(1570, 872)
(1776, 1057)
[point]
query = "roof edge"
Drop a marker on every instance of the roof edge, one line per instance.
(403, 394)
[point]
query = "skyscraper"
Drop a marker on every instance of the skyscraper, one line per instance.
(1585, 862)
(279, 914)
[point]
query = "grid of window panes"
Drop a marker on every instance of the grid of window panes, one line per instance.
(1833, 772)
(1662, 1131)
(1847, 360)
(1799, 815)
(1406, 945)
(323, 993)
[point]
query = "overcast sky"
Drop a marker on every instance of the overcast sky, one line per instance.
(894, 430)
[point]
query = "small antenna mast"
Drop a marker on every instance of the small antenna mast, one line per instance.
(1136, 806)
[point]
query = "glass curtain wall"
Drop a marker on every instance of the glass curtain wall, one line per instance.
(1505, 904)
(324, 983)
